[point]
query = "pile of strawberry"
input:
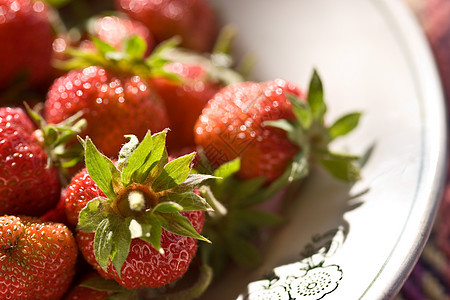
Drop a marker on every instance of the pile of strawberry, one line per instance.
(136, 162)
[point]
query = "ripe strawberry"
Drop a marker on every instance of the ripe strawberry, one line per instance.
(193, 20)
(37, 258)
(113, 105)
(58, 213)
(26, 37)
(261, 137)
(33, 161)
(184, 101)
(269, 128)
(115, 29)
(232, 125)
(115, 99)
(141, 216)
(28, 186)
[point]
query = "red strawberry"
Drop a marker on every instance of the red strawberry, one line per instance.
(267, 124)
(37, 258)
(193, 20)
(26, 37)
(115, 99)
(144, 210)
(112, 104)
(58, 213)
(184, 101)
(27, 186)
(114, 29)
(232, 125)
(145, 266)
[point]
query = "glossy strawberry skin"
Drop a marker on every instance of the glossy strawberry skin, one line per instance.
(27, 186)
(144, 266)
(114, 29)
(184, 101)
(231, 125)
(26, 37)
(193, 20)
(38, 258)
(113, 106)
(79, 192)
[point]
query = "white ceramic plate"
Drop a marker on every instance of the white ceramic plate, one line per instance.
(364, 239)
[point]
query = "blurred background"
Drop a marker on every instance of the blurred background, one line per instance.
(430, 279)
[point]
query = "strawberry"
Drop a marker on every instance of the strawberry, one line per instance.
(115, 29)
(37, 258)
(232, 125)
(28, 185)
(269, 126)
(109, 87)
(26, 36)
(141, 216)
(33, 161)
(193, 20)
(113, 105)
(184, 101)
(58, 213)
(243, 130)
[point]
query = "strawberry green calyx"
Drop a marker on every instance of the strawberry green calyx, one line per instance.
(236, 221)
(130, 60)
(313, 137)
(145, 192)
(56, 140)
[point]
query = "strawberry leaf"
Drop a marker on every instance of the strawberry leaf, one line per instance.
(103, 243)
(299, 167)
(100, 168)
(342, 167)
(242, 251)
(228, 169)
(167, 207)
(90, 216)
(174, 173)
(186, 201)
(258, 218)
(178, 224)
(315, 97)
(135, 47)
(344, 125)
(155, 161)
(121, 240)
(99, 283)
(134, 156)
(191, 182)
(152, 232)
(244, 192)
(301, 110)
(103, 47)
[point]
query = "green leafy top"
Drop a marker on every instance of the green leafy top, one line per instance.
(130, 60)
(145, 192)
(236, 219)
(313, 137)
(57, 140)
